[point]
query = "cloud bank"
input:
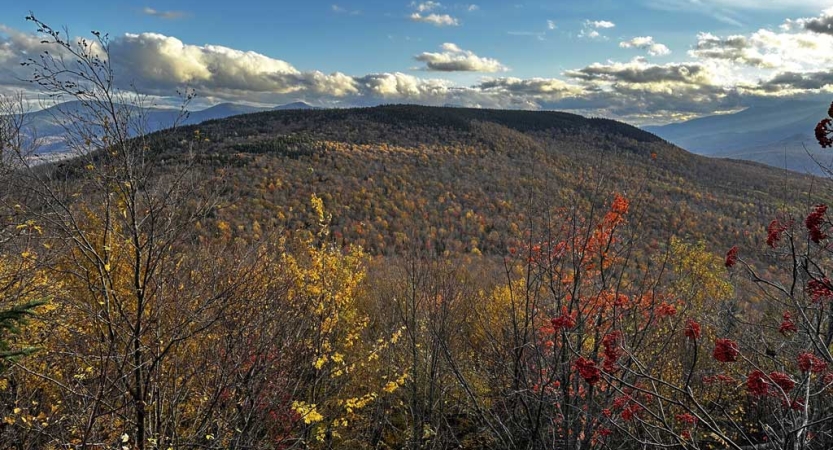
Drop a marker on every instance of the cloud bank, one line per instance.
(718, 73)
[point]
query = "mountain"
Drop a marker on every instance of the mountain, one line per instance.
(220, 111)
(47, 127)
(778, 134)
(471, 180)
(294, 105)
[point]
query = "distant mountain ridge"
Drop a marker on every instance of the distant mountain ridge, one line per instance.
(295, 105)
(44, 125)
(779, 134)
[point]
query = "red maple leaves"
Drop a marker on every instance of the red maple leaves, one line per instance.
(809, 362)
(814, 222)
(774, 232)
(587, 369)
(756, 383)
(787, 324)
(725, 350)
(732, 257)
(692, 329)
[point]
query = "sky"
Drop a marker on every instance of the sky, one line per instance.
(641, 61)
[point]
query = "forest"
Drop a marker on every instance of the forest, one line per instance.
(400, 277)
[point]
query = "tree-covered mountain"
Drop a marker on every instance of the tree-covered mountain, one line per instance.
(471, 180)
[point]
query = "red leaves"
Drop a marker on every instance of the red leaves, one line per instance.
(630, 411)
(798, 404)
(587, 369)
(819, 290)
(782, 380)
(787, 324)
(565, 320)
(756, 383)
(809, 362)
(666, 310)
(774, 232)
(686, 419)
(692, 329)
(612, 352)
(732, 256)
(823, 132)
(814, 221)
(725, 350)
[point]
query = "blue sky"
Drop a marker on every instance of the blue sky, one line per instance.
(644, 61)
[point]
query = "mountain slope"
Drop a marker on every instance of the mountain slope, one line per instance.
(471, 180)
(764, 133)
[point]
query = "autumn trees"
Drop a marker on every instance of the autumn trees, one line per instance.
(160, 324)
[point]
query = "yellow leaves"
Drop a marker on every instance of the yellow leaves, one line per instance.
(353, 404)
(30, 225)
(308, 412)
(224, 228)
(391, 386)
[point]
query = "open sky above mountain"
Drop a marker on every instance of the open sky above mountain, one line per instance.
(642, 61)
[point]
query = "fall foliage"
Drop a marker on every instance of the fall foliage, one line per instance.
(401, 277)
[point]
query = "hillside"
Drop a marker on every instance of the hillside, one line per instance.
(779, 134)
(265, 320)
(471, 180)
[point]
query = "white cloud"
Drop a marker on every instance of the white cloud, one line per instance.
(768, 50)
(439, 20)
(601, 24)
(454, 59)
(338, 9)
(551, 25)
(169, 15)
(159, 63)
(822, 24)
(590, 29)
(648, 44)
(426, 6)
(472, 8)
